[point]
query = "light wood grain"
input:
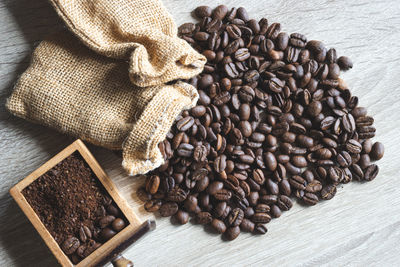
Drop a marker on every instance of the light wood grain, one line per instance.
(359, 227)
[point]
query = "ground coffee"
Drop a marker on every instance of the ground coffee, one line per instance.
(75, 208)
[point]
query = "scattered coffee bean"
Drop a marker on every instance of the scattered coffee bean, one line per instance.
(70, 245)
(232, 232)
(118, 224)
(107, 233)
(377, 151)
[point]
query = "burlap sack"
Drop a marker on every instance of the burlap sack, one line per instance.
(91, 96)
(141, 31)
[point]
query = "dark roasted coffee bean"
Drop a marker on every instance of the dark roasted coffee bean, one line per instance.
(220, 163)
(344, 63)
(335, 174)
(353, 146)
(357, 171)
(270, 161)
(118, 224)
(107, 233)
(367, 146)
(284, 203)
(310, 199)
(181, 217)
(359, 112)
(152, 184)
(298, 182)
(260, 229)
(261, 217)
(232, 232)
(203, 11)
(70, 245)
(235, 217)
(185, 150)
(203, 217)
(231, 71)
(371, 172)
(328, 191)
(223, 195)
(214, 187)
(273, 31)
(106, 220)
(247, 226)
(364, 161)
(344, 159)
(113, 210)
(168, 209)
(314, 186)
(176, 195)
(377, 151)
(220, 12)
(82, 234)
(218, 225)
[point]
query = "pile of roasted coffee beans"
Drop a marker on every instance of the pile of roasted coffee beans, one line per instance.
(274, 121)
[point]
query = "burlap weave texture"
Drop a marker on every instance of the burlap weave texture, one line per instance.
(111, 89)
(141, 31)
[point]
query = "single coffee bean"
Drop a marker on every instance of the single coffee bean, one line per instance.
(367, 146)
(152, 205)
(232, 233)
(181, 217)
(260, 229)
(168, 209)
(344, 63)
(70, 245)
(118, 224)
(152, 184)
(107, 233)
(203, 11)
(247, 225)
(364, 161)
(223, 195)
(310, 199)
(218, 225)
(328, 191)
(235, 217)
(359, 112)
(220, 12)
(113, 210)
(275, 211)
(284, 203)
(82, 234)
(353, 146)
(261, 217)
(371, 172)
(105, 221)
(270, 161)
(203, 217)
(377, 151)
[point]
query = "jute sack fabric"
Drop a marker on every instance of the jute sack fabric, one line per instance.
(112, 91)
(141, 31)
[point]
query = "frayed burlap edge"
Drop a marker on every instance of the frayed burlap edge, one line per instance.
(141, 153)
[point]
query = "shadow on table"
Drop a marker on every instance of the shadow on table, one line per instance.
(20, 240)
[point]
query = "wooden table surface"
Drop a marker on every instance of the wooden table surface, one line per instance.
(359, 227)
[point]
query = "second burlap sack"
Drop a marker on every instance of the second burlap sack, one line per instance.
(112, 91)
